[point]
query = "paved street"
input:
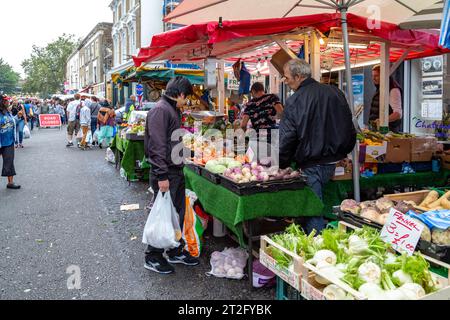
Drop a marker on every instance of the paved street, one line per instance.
(68, 214)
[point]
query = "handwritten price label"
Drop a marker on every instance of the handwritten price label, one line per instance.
(402, 232)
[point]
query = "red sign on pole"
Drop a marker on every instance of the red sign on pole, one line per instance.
(50, 120)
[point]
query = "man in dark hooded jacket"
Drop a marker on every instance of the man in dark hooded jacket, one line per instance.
(316, 130)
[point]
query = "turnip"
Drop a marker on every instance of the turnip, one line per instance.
(239, 176)
(333, 292)
(254, 178)
(413, 291)
(254, 165)
(370, 272)
(228, 172)
(402, 277)
(255, 172)
(245, 171)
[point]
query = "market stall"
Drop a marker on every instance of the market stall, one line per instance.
(253, 40)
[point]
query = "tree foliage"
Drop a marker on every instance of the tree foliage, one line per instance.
(8, 78)
(45, 70)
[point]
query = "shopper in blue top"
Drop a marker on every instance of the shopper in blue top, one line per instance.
(7, 137)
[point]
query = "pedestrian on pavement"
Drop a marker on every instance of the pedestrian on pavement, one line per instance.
(130, 106)
(37, 112)
(85, 123)
(59, 109)
(19, 114)
(95, 108)
(316, 131)
(29, 113)
(166, 176)
(106, 122)
(7, 135)
(73, 114)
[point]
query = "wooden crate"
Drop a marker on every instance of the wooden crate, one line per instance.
(311, 289)
(292, 277)
(315, 291)
(416, 196)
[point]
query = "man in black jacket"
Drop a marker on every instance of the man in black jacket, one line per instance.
(316, 130)
(166, 176)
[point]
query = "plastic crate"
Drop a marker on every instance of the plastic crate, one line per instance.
(285, 292)
(260, 187)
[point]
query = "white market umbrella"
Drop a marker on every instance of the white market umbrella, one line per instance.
(393, 11)
(200, 11)
(428, 18)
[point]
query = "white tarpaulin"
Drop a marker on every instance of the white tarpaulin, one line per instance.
(200, 11)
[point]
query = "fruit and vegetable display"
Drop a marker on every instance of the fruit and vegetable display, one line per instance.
(358, 259)
(372, 138)
(433, 205)
(256, 173)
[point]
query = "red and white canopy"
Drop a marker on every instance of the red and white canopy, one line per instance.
(200, 11)
(255, 39)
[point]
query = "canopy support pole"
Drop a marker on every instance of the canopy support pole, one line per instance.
(348, 73)
(315, 56)
(221, 86)
(384, 87)
(274, 80)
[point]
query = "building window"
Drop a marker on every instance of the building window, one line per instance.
(95, 74)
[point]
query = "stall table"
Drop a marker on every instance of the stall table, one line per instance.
(235, 211)
(128, 152)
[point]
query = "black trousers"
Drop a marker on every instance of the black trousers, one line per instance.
(178, 195)
(7, 154)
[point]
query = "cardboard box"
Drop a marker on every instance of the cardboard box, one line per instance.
(398, 151)
(342, 173)
(421, 156)
(419, 145)
(445, 161)
(373, 154)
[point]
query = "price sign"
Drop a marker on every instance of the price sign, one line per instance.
(402, 232)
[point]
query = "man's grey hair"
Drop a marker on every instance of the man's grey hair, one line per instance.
(299, 67)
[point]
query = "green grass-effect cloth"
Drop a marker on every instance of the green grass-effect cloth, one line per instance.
(132, 151)
(233, 209)
(336, 191)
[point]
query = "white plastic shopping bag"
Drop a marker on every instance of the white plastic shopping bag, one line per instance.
(89, 137)
(26, 132)
(95, 137)
(110, 157)
(162, 229)
(229, 263)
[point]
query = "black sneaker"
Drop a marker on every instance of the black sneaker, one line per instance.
(184, 258)
(70, 144)
(158, 265)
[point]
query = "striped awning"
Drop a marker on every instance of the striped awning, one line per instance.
(429, 18)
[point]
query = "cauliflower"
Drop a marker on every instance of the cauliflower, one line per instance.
(370, 213)
(384, 204)
(441, 237)
(349, 205)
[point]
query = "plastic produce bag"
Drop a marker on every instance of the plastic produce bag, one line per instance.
(26, 133)
(95, 136)
(110, 157)
(229, 263)
(162, 229)
(89, 137)
(193, 227)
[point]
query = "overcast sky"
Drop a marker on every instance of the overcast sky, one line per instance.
(27, 22)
